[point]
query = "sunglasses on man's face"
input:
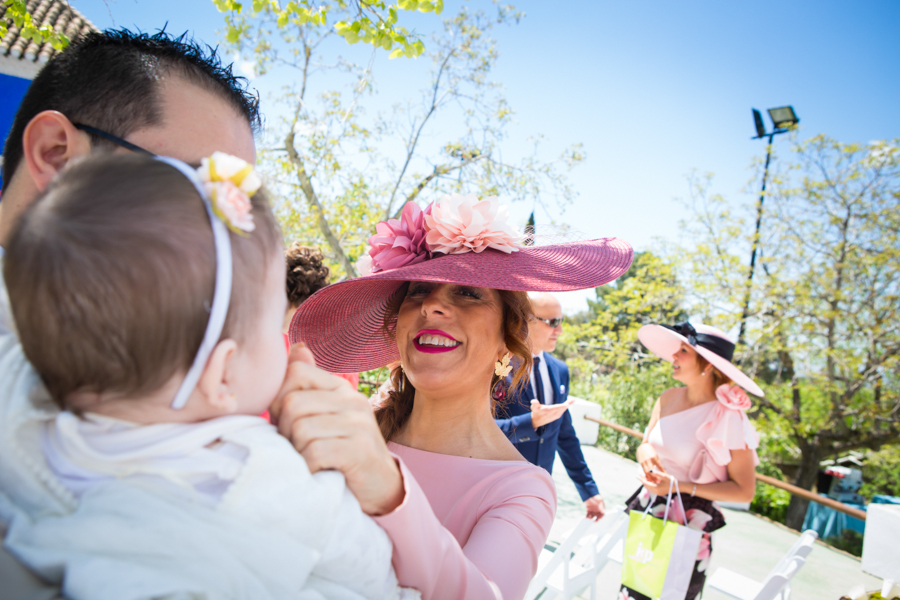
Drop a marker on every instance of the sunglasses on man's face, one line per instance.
(111, 138)
(553, 323)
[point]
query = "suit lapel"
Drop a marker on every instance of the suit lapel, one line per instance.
(554, 380)
(526, 395)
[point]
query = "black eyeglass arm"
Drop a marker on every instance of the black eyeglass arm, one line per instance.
(111, 138)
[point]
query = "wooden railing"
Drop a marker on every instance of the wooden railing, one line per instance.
(793, 489)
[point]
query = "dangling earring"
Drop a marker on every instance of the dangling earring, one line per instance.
(502, 366)
(501, 370)
(402, 377)
(498, 392)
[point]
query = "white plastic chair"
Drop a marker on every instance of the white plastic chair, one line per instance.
(576, 563)
(777, 585)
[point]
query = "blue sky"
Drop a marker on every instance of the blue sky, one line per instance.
(652, 89)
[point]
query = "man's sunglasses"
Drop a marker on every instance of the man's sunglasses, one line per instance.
(553, 323)
(111, 138)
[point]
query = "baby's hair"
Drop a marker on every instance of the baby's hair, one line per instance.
(111, 272)
(306, 272)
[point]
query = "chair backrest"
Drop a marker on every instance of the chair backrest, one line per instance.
(801, 547)
(778, 580)
(560, 556)
(601, 541)
(578, 548)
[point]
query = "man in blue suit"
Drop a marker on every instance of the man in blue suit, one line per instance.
(537, 419)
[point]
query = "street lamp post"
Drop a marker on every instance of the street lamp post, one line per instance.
(783, 120)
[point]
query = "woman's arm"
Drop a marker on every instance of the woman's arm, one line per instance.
(646, 453)
(740, 487)
(497, 561)
(334, 428)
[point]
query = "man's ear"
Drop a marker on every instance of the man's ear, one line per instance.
(214, 382)
(49, 142)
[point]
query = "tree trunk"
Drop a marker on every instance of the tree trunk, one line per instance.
(810, 456)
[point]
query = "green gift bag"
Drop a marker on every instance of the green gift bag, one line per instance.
(659, 554)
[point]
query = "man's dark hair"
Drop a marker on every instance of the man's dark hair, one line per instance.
(110, 80)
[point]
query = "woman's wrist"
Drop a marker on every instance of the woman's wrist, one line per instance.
(395, 495)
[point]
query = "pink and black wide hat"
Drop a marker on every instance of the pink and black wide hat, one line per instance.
(343, 323)
(710, 342)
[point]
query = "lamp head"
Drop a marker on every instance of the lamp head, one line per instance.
(783, 117)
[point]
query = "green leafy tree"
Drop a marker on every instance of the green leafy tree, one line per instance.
(340, 170)
(881, 472)
(370, 22)
(15, 14)
(823, 328)
(608, 363)
(648, 293)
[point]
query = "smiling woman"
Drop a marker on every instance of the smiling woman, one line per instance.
(445, 298)
(496, 319)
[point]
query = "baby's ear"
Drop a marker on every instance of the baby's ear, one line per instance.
(214, 382)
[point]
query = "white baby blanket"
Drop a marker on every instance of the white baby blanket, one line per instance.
(273, 531)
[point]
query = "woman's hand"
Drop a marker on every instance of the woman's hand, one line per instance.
(661, 487)
(333, 427)
(654, 472)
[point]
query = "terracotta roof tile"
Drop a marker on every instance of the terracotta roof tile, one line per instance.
(57, 13)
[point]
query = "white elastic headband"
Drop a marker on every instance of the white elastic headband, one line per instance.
(222, 294)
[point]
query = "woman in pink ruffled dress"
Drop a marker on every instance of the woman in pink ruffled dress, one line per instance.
(443, 294)
(699, 434)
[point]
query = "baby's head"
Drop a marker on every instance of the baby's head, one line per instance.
(111, 277)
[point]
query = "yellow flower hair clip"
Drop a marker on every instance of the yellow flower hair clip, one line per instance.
(230, 182)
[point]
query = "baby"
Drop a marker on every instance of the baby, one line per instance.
(150, 298)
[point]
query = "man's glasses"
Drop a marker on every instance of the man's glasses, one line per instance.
(554, 323)
(111, 138)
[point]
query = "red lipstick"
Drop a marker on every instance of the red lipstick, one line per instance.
(433, 349)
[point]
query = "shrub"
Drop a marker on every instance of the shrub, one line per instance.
(770, 501)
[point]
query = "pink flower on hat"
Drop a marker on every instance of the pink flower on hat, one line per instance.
(232, 205)
(400, 242)
(733, 397)
(459, 224)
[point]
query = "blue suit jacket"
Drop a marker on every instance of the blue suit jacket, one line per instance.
(539, 446)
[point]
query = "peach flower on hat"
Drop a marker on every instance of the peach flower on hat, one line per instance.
(459, 224)
(364, 264)
(733, 397)
(400, 242)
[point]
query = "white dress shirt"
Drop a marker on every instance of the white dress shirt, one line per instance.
(545, 380)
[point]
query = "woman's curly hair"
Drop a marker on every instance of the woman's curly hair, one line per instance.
(306, 274)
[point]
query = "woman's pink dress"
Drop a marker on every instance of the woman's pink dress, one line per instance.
(695, 444)
(469, 528)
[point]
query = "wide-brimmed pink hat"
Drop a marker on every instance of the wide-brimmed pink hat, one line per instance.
(710, 342)
(343, 323)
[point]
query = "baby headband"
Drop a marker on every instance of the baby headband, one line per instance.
(713, 343)
(225, 183)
